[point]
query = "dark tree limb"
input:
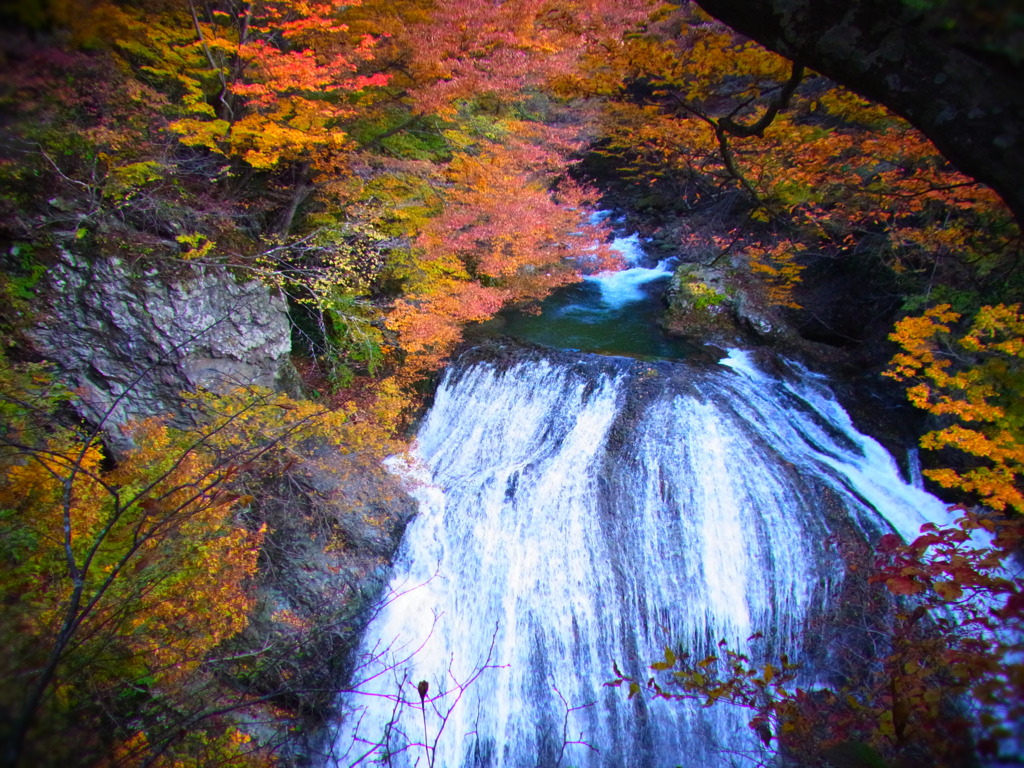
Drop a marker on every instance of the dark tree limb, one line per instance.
(779, 104)
(958, 81)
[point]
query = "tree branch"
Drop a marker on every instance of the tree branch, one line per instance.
(779, 104)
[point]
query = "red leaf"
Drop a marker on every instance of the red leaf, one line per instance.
(889, 543)
(902, 585)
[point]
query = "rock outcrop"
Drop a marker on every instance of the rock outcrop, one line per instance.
(129, 341)
(708, 303)
(333, 524)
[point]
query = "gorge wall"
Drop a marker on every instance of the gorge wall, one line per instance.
(130, 340)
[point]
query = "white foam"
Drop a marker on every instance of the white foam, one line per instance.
(626, 286)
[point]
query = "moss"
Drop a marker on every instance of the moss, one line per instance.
(705, 297)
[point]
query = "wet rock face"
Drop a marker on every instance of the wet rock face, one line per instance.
(131, 341)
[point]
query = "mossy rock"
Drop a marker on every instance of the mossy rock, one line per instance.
(700, 302)
(713, 304)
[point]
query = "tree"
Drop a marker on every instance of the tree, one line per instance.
(505, 235)
(121, 581)
(702, 114)
(973, 380)
(266, 82)
(465, 49)
(969, 376)
(952, 70)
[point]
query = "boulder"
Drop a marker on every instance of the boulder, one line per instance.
(715, 305)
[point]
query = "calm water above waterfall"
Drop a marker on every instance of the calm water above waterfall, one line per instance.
(613, 313)
(579, 510)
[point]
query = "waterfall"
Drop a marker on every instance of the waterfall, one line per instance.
(579, 510)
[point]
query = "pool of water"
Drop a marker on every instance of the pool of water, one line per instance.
(613, 313)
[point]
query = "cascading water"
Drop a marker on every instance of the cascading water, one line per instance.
(579, 510)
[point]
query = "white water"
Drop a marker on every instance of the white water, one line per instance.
(622, 287)
(578, 511)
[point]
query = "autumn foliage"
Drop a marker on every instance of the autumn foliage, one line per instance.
(695, 116)
(399, 169)
(503, 236)
(122, 583)
(968, 375)
(266, 82)
(970, 379)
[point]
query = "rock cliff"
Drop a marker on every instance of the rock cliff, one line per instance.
(131, 340)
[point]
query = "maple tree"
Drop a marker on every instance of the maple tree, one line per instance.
(265, 82)
(472, 175)
(973, 377)
(468, 50)
(969, 375)
(503, 236)
(960, 93)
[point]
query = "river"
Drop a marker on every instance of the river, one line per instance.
(590, 506)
